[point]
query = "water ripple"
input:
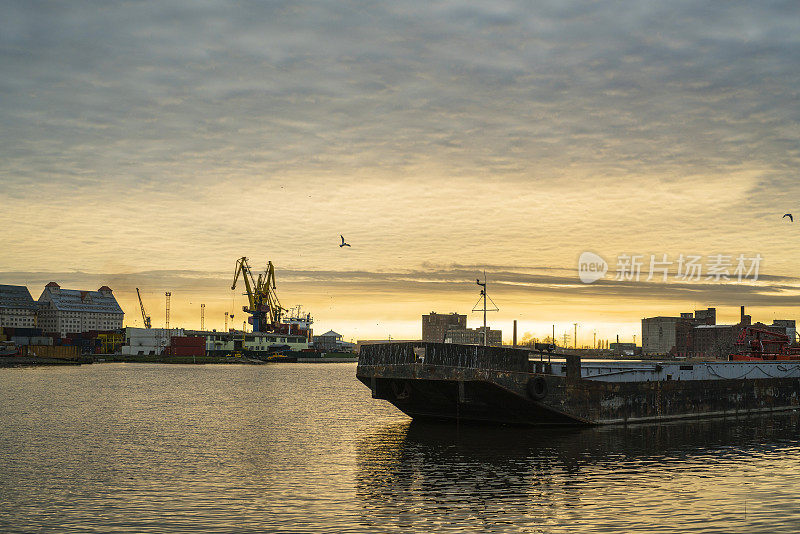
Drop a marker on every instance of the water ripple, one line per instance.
(303, 448)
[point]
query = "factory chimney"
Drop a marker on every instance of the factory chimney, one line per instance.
(744, 319)
(515, 333)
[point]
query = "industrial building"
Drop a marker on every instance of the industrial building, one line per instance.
(474, 336)
(148, 341)
(711, 341)
(64, 311)
(699, 336)
(435, 325)
(452, 328)
(623, 348)
(660, 334)
(789, 327)
(332, 341)
(719, 341)
(17, 307)
(328, 341)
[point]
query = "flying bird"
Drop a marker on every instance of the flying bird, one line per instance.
(343, 243)
(788, 215)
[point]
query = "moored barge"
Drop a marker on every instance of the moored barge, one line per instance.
(514, 386)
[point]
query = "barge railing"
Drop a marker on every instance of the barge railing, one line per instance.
(446, 354)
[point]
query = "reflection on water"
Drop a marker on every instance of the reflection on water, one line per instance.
(303, 448)
(722, 475)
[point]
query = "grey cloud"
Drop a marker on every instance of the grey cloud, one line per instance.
(153, 104)
(124, 90)
(386, 285)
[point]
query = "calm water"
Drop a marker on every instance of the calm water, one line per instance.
(303, 448)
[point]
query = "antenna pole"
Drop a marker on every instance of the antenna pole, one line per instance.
(485, 333)
(485, 309)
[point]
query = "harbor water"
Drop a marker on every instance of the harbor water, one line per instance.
(304, 448)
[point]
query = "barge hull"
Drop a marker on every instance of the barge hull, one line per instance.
(436, 381)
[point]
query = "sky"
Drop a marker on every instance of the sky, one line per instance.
(151, 144)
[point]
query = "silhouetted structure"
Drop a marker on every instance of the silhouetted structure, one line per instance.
(435, 325)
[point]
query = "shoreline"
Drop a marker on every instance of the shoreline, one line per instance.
(25, 361)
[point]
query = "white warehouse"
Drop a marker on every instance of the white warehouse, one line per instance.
(17, 308)
(66, 311)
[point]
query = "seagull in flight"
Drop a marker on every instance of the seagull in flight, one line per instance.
(788, 215)
(343, 243)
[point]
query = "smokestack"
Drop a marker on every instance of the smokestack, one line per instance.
(741, 317)
(515, 333)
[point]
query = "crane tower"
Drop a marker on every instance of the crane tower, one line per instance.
(145, 317)
(168, 294)
(263, 305)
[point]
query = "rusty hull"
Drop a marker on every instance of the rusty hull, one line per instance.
(425, 387)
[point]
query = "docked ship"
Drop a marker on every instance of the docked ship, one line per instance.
(277, 334)
(515, 386)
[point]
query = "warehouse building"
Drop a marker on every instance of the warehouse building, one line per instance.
(719, 341)
(435, 325)
(148, 341)
(698, 335)
(66, 311)
(474, 336)
(17, 307)
(661, 335)
(332, 341)
(788, 327)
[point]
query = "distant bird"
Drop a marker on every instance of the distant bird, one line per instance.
(788, 215)
(343, 243)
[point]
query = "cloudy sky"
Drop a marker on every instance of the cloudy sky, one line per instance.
(151, 144)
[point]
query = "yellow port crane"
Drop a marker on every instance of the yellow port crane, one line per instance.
(263, 305)
(145, 317)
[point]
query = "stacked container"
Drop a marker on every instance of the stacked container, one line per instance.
(187, 346)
